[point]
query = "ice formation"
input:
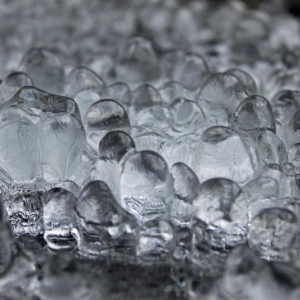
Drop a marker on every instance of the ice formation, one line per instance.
(149, 150)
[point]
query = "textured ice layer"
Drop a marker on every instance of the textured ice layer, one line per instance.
(149, 150)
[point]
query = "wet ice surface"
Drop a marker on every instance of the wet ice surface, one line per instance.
(149, 150)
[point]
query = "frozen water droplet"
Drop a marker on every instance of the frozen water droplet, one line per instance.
(104, 224)
(186, 188)
(250, 35)
(96, 204)
(113, 147)
(220, 96)
(155, 241)
(224, 212)
(143, 97)
(284, 105)
(186, 183)
(261, 193)
(61, 142)
(82, 78)
(246, 79)
(136, 61)
(264, 148)
(59, 219)
(216, 158)
(190, 69)
(85, 99)
(254, 112)
(294, 156)
(146, 186)
(45, 69)
(188, 116)
(172, 90)
(120, 92)
(271, 232)
(12, 83)
(102, 117)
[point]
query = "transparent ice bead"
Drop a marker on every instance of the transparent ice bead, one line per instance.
(172, 90)
(146, 186)
(284, 105)
(144, 96)
(287, 187)
(185, 181)
(188, 68)
(213, 156)
(113, 149)
(60, 219)
(104, 116)
(253, 113)
(80, 79)
(186, 188)
(45, 69)
(155, 241)
(188, 116)
(120, 92)
(62, 142)
(264, 147)
(19, 136)
(271, 232)
(136, 61)
(106, 229)
(250, 35)
(246, 79)
(261, 193)
(219, 97)
(223, 211)
(208, 259)
(12, 83)
(85, 99)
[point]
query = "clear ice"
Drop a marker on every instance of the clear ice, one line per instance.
(150, 150)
